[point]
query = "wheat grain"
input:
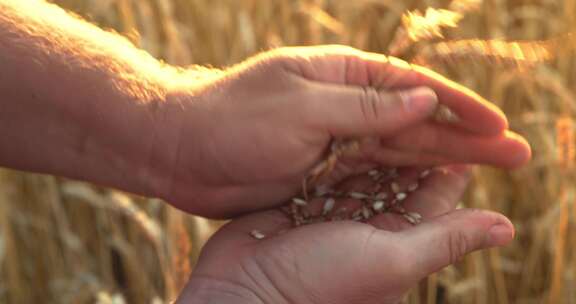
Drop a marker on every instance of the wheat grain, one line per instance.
(424, 174)
(444, 114)
(366, 213)
(381, 196)
(413, 187)
(415, 215)
(401, 196)
(257, 234)
(378, 205)
(328, 206)
(373, 173)
(410, 218)
(358, 195)
(299, 202)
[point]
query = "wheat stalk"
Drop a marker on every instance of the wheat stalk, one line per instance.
(464, 6)
(420, 27)
(521, 54)
(417, 26)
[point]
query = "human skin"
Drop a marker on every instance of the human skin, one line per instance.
(84, 103)
(344, 262)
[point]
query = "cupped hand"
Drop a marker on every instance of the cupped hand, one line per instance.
(344, 261)
(246, 139)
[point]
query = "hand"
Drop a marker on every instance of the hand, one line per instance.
(344, 262)
(246, 139)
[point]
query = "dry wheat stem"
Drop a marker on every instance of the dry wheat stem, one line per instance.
(521, 54)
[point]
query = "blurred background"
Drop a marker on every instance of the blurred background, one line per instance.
(63, 241)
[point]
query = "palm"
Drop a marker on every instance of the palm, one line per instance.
(329, 262)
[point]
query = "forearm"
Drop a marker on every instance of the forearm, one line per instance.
(78, 101)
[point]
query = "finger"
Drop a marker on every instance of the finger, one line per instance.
(347, 66)
(507, 150)
(394, 157)
(445, 240)
(476, 114)
(440, 192)
(434, 195)
(433, 145)
(504, 152)
(355, 111)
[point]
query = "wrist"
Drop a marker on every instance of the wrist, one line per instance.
(142, 133)
(181, 126)
(207, 291)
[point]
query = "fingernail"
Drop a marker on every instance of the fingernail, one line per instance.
(421, 99)
(500, 235)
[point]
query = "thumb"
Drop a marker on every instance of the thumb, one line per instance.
(445, 240)
(363, 111)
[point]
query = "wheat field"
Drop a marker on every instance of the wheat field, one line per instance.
(64, 241)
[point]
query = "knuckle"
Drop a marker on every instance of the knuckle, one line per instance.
(283, 58)
(458, 246)
(369, 102)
